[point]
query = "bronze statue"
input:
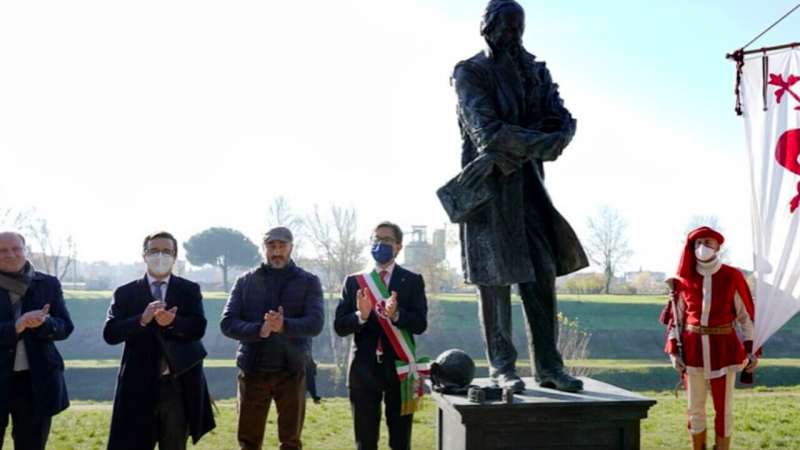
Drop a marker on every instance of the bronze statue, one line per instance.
(512, 120)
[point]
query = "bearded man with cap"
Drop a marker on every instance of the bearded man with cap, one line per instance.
(160, 398)
(273, 311)
(33, 316)
(713, 298)
(512, 121)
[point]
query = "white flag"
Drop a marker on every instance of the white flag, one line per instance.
(770, 94)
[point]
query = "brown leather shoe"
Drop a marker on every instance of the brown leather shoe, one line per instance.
(699, 441)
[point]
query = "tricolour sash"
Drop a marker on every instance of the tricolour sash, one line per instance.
(410, 370)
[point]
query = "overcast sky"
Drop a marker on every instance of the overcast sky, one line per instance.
(119, 118)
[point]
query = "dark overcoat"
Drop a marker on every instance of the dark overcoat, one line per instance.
(133, 420)
(500, 112)
(44, 360)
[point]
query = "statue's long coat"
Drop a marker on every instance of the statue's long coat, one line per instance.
(499, 113)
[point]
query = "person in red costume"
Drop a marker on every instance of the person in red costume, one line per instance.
(712, 299)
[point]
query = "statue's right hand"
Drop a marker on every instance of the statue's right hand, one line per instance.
(551, 146)
(477, 170)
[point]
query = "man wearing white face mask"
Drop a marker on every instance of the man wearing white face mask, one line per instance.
(713, 298)
(161, 394)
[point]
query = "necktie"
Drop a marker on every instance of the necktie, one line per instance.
(384, 275)
(155, 289)
(158, 294)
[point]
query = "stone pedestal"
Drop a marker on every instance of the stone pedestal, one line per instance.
(602, 416)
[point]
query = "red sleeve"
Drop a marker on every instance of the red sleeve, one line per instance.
(744, 292)
(747, 298)
(671, 347)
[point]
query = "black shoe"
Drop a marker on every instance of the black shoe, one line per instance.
(509, 380)
(317, 400)
(561, 381)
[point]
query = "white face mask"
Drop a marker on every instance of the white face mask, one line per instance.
(159, 264)
(704, 253)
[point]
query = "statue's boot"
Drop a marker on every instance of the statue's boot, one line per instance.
(722, 443)
(699, 440)
(560, 380)
(509, 380)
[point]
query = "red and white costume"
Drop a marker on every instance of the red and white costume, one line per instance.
(712, 298)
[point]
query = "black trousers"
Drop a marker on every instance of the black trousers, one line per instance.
(172, 429)
(541, 317)
(29, 432)
(365, 405)
(311, 379)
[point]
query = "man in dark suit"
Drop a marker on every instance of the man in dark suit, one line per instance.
(154, 403)
(273, 311)
(372, 375)
(32, 316)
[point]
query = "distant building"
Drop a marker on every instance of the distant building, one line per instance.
(629, 277)
(419, 252)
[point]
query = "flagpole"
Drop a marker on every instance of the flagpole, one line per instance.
(739, 53)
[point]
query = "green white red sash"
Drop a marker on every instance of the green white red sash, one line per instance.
(410, 370)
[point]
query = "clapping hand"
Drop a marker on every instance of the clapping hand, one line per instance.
(32, 319)
(364, 303)
(265, 331)
(274, 320)
(391, 307)
(150, 311)
(165, 317)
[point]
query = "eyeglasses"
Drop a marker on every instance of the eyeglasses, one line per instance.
(383, 240)
(158, 251)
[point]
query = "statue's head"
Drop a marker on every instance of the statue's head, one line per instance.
(503, 24)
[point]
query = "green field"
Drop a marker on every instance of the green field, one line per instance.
(625, 350)
(625, 347)
(764, 419)
(593, 312)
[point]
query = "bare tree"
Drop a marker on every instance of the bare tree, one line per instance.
(55, 255)
(573, 344)
(14, 219)
(335, 240)
(280, 214)
(48, 251)
(608, 245)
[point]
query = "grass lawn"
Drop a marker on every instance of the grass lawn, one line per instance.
(764, 419)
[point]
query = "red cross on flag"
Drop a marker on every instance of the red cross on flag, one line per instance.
(770, 101)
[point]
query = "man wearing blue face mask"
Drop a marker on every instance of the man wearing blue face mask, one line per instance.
(161, 395)
(377, 308)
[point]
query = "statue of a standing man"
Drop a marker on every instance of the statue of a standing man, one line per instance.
(512, 120)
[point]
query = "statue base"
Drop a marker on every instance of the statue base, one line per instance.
(601, 416)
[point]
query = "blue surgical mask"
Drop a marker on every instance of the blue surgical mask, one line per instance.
(382, 253)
